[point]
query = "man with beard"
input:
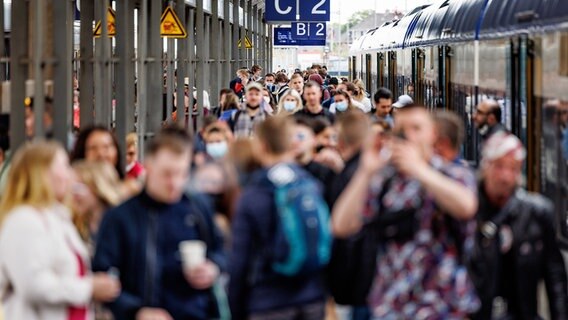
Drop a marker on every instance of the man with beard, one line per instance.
(487, 118)
(251, 113)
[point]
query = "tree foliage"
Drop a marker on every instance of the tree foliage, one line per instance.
(356, 18)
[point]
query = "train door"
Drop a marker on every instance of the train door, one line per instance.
(380, 69)
(418, 65)
(445, 70)
(368, 72)
(392, 84)
(522, 104)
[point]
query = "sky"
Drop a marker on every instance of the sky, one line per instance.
(343, 9)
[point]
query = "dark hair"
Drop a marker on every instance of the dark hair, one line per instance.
(269, 75)
(80, 149)
(209, 120)
(320, 124)
(225, 91)
(274, 133)
(450, 125)
(352, 88)
(297, 75)
(281, 77)
(353, 128)
(382, 93)
(304, 121)
(255, 68)
(495, 110)
(333, 81)
(312, 84)
(174, 138)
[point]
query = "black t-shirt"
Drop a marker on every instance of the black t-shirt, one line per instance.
(324, 174)
(323, 113)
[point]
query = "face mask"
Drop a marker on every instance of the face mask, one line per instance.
(289, 105)
(267, 100)
(341, 106)
(270, 86)
(217, 149)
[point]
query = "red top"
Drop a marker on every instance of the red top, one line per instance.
(135, 171)
(78, 313)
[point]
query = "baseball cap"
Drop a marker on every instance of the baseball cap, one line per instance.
(403, 101)
(254, 86)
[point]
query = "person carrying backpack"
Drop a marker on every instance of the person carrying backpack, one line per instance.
(282, 238)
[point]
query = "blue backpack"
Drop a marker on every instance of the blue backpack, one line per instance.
(303, 238)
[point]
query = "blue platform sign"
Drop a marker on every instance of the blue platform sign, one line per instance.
(292, 10)
(305, 30)
(283, 37)
(315, 10)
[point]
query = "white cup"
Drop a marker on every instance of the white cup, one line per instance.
(192, 253)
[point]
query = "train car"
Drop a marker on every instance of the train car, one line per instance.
(455, 53)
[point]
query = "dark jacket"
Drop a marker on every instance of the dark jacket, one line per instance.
(323, 113)
(534, 255)
(493, 130)
(254, 287)
(321, 172)
(140, 240)
(340, 181)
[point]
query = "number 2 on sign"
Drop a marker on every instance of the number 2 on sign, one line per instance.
(317, 8)
(321, 28)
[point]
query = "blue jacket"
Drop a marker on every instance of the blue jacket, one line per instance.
(253, 229)
(140, 240)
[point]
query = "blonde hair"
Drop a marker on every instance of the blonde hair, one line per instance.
(361, 93)
(102, 180)
(132, 140)
(295, 94)
(28, 181)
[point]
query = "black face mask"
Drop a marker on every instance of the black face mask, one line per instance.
(253, 108)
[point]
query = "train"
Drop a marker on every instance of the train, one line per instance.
(452, 54)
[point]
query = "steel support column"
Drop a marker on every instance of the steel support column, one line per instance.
(261, 41)
(207, 63)
(200, 59)
(18, 74)
(227, 43)
(63, 52)
(191, 63)
(215, 54)
(236, 34)
(86, 93)
(181, 65)
(242, 52)
(154, 74)
(2, 46)
(38, 37)
(254, 39)
(125, 107)
(270, 46)
(249, 16)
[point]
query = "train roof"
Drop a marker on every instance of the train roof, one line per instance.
(466, 20)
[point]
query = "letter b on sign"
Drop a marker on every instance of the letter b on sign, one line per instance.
(300, 30)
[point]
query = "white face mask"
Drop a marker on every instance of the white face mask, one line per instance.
(267, 100)
(289, 105)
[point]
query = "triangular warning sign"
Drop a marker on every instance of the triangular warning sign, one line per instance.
(170, 26)
(248, 43)
(111, 27)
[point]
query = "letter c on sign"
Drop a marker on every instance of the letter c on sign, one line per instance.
(279, 10)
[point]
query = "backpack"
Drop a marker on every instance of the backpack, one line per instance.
(302, 239)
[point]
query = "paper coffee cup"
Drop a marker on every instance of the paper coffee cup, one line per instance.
(192, 253)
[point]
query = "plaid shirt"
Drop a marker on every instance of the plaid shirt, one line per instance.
(243, 124)
(422, 278)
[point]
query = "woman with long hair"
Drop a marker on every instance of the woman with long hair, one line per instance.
(97, 143)
(290, 103)
(96, 191)
(342, 102)
(44, 265)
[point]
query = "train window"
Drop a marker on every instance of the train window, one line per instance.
(432, 58)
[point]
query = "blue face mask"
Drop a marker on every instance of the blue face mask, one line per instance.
(289, 105)
(217, 150)
(270, 86)
(341, 106)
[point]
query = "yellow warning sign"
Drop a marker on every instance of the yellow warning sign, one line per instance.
(170, 26)
(111, 27)
(248, 43)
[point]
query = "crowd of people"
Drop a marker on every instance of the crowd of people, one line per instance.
(302, 197)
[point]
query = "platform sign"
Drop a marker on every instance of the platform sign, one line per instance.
(171, 26)
(315, 10)
(305, 30)
(292, 10)
(283, 37)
